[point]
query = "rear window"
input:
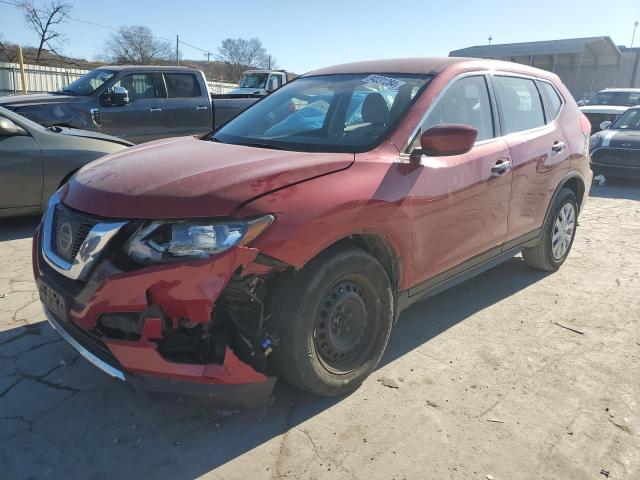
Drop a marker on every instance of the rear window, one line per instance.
(181, 85)
(553, 98)
(519, 104)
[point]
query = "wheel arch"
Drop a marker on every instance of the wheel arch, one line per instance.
(374, 244)
(574, 181)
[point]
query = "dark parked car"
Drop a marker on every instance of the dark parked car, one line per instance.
(615, 151)
(137, 103)
(142, 103)
(35, 161)
(291, 251)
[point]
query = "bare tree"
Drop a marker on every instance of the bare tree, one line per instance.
(43, 21)
(240, 54)
(137, 45)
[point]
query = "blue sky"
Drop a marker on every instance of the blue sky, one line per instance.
(304, 35)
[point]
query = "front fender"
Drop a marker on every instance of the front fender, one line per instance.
(368, 198)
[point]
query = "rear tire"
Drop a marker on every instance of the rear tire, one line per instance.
(557, 236)
(333, 320)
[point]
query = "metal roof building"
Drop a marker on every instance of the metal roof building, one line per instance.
(585, 65)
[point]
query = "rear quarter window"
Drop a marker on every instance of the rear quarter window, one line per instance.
(519, 103)
(182, 85)
(554, 100)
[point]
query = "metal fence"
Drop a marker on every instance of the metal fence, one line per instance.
(41, 79)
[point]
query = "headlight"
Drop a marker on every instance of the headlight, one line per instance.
(595, 141)
(166, 241)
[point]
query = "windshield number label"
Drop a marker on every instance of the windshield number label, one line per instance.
(385, 82)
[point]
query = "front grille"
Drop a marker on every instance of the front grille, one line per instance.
(620, 157)
(597, 118)
(70, 229)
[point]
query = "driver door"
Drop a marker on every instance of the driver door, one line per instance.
(21, 170)
(142, 119)
(460, 203)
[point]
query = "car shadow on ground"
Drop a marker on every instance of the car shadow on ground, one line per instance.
(17, 228)
(83, 424)
(620, 188)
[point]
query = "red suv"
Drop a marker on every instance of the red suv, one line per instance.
(288, 241)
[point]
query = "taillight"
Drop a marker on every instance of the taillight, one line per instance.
(585, 124)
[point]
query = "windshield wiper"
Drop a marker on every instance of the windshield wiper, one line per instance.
(264, 145)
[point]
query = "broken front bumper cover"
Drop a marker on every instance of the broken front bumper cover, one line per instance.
(252, 394)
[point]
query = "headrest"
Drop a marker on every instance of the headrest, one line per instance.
(375, 110)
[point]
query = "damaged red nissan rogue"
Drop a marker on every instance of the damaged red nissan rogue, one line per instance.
(286, 243)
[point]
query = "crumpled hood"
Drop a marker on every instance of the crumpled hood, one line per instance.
(187, 177)
(16, 101)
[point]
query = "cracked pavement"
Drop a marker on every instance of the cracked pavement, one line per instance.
(514, 374)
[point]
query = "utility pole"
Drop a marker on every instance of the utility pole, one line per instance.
(269, 62)
(208, 54)
(490, 38)
(635, 64)
(620, 71)
(22, 75)
(177, 50)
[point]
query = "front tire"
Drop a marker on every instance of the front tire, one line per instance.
(333, 319)
(558, 234)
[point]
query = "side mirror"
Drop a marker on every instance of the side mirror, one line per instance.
(115, 97)
(445, 140)
(582, 102)
(10, 129)
(606, 125)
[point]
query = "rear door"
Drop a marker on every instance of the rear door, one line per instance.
(187, 109)
(21, 170)
(141, 119)
(540, 154)
(460, 203)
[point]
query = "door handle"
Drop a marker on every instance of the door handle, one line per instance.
(201, 107)
(501, 167)
(152, 110)
(558, 147)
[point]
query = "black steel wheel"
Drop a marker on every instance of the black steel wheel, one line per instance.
(333, 320)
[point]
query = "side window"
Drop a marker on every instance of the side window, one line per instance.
(634, 99)
(275, 82)
(466, 102)
(519, 104)
(182, 85)
(553, 98)
(139, 86)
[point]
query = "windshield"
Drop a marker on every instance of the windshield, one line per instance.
(330, 113)
(620, 99)
(254, 80)
(88, 83)
(629, 120)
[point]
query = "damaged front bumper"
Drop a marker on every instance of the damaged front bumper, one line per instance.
(239, 395)
(162, 300)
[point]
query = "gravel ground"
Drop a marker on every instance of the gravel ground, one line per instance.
(514, 374)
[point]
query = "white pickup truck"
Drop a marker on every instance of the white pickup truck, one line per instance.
(253, 85)
(607, 105)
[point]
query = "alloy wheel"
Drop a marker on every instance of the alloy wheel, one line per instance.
(564, 229)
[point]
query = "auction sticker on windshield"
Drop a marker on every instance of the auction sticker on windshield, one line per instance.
(386, 82)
